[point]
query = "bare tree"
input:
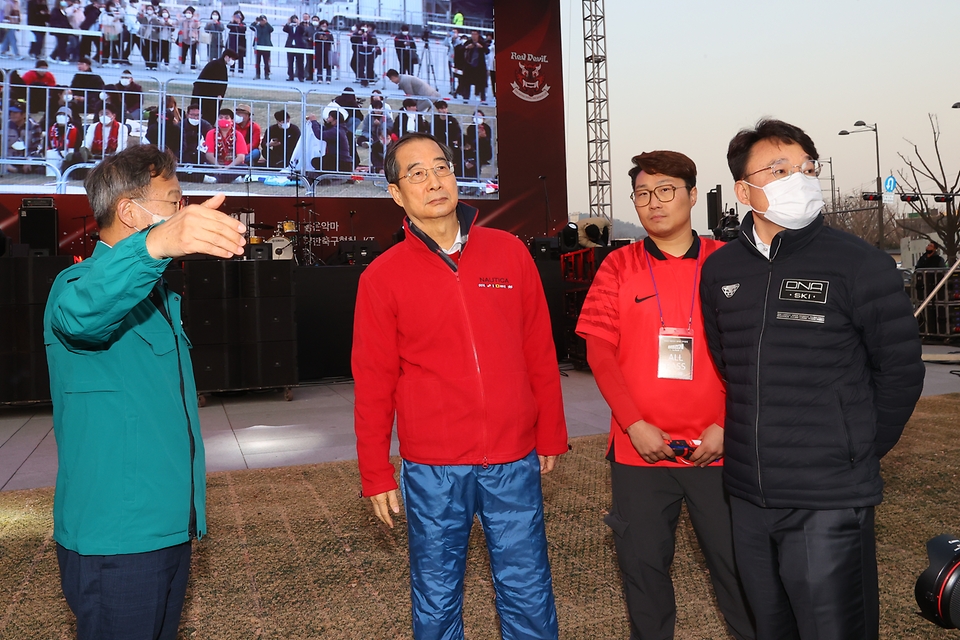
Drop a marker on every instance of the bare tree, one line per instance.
(855, 216)
(919, 173)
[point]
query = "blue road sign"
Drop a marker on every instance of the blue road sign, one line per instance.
(890, 184)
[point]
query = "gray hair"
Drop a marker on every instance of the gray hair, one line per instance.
(390, 167)
(125, 175)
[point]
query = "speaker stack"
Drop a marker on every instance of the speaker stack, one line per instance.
(38, 226)
(24, 287)
(239, 315)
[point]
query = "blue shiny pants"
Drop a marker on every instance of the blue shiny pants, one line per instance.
(440, 503)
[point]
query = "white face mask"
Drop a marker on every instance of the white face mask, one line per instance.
(125, 81)
(61, 119)
(284, 125)
(793, 202)
(194, 121)
(315, 23)
(67, 97)
(105, 119)
(405, 32)
(477, 120)
(154, 218)
(239, 119)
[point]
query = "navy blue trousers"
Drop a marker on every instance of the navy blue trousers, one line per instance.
(440, 503)
(809, 574)
(137, 596)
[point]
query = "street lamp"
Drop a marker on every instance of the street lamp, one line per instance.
(873, 127)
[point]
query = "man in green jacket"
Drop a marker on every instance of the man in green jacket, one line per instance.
(131, 477)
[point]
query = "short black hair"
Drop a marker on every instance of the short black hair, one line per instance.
(226, 112)
(392, 72)
(668, 163)
(125, 175)
(391, 170)
(738, 152)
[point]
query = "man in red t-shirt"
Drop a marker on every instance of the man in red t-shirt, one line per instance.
(647, 349)
(225, 147)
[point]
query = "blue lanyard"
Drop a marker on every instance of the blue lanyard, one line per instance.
(693, 294)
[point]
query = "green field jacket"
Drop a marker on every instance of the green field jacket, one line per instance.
(131, 475)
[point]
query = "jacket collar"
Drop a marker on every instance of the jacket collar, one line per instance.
(651, 247)
(785, 243)
(466, 215)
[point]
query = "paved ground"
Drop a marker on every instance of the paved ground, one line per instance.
(257, 430)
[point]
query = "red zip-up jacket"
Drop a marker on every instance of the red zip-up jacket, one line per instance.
(462, 355)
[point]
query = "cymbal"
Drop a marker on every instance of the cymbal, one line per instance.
(301, 204)
(260, 225)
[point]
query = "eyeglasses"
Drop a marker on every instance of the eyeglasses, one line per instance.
(781, 170)
(180, 204)
(664, 193)
(420, 175)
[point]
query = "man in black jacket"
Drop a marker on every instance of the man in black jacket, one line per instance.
(211, 85)
(815, 337)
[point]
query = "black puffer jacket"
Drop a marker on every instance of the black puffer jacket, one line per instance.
(821, 355)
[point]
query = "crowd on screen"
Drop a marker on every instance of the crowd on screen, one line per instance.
(93, 117)
(177, 38)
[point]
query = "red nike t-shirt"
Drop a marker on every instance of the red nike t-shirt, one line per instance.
(621, 308)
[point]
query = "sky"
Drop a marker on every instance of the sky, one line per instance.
(687, 75)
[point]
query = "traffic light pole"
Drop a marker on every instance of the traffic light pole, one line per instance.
(879, 190)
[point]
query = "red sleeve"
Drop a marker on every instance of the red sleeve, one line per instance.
(602, 358)
(540, 354)
(375, 362)
(600, 314)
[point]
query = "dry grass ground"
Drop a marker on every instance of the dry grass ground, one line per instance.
(293, 553)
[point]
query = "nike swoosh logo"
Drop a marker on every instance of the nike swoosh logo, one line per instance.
(638, 300)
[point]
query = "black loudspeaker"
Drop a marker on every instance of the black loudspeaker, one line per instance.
(544, 248)
(211, 279)
(35, 276)
(266, 279)
(355, 252)
(266, 320)
(210, 321)
(262, 251)
(38, 225)
(936, 590)
(216, 367)
(268, 364)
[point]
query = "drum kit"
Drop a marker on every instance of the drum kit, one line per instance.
(292, 239)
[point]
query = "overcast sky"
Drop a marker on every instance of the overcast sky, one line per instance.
(686, 75)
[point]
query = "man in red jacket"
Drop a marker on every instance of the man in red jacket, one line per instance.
(648, 352)
(452, 337)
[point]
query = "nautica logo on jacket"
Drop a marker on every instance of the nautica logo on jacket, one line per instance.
(494, 283)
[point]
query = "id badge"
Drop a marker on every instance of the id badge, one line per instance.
(676, 354)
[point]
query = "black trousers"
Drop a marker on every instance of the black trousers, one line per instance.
(138, 596)
(809, 574)
(643, 516)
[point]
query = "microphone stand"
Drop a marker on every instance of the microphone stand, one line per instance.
(546, 201)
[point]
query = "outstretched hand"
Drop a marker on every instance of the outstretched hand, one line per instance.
(198, 228)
